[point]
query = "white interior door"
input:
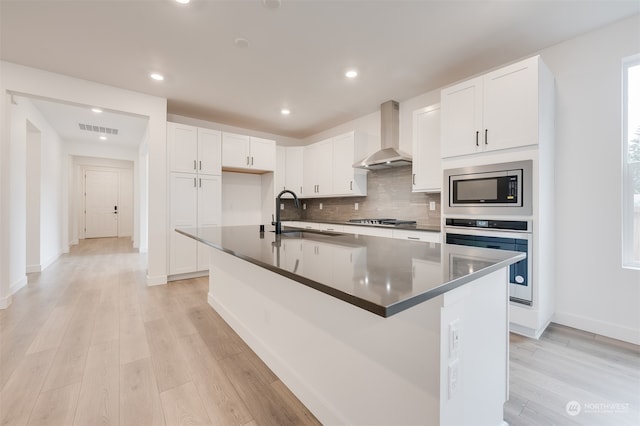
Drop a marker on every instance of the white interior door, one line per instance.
(101, 204)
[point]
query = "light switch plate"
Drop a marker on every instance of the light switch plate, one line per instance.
(432, 205)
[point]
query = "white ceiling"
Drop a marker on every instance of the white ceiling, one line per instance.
(297, 53)
(66, 120)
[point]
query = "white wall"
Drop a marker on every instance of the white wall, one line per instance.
(33, 82)
(594, 292)
(241, 199)
(44, 216)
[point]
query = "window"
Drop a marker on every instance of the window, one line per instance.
(631, 163)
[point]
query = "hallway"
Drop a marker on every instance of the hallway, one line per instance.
(87, 343)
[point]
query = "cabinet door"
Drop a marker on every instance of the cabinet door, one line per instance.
(511, 106)
(427, 167)
(209, 211)
(262, 154)
(209, 151)
(209, 200)
(184, 213)
(281, 169)
(182, 143)
(318, 168)
(235, 151)
(461, 119)
(294, 169)
(343, 171)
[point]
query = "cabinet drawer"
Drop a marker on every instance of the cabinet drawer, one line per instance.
(426, 236)
(331, 227)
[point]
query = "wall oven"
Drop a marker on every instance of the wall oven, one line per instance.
(495, 189)
(511, 235)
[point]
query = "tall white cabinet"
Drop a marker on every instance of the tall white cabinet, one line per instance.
(195, 184)
(427, 167)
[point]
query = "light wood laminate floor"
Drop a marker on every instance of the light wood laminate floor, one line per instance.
(88, 343)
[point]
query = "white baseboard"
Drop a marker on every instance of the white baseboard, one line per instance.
(603, 328)
(187, 276)
(50, 261)
(5, 302)
(156, 280)
(33, 268)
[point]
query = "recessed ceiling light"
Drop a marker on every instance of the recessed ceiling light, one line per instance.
(103, 138)
(183, 1)
(351, 74)
(96, 110)
(285, 111)
(156, 76)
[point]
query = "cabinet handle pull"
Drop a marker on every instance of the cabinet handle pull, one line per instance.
(194, 164)
(486, 136)
(301, 190)
(477, 135)
(413, 179)
(252, 161)
(413, 238)
(200, 183)
(247, 160)
(194, 182)
(350, 185)
(200, 164)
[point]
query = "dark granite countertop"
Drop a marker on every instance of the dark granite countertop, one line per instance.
(382, 275)
(416, 227)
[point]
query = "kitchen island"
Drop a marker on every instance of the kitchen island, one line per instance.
(369, 330)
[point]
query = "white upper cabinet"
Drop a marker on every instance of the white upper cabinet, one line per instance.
(281, 169)
(248, 153)
(347, 149)
(209, 151)
(328, 167)
(294, 160)
(427, 167)
(318, 169)
(499, 110)
(193, 150)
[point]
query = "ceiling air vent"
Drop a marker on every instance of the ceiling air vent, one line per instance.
(98, 129)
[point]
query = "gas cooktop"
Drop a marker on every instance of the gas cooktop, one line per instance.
(383, 222)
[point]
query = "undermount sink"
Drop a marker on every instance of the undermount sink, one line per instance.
(300, 233)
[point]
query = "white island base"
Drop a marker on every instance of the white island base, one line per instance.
(350, 366)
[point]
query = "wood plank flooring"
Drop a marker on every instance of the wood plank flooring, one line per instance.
(88, 343)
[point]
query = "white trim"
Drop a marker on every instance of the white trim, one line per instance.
(34, 268)
(156, 280)
(5, 302)
(603, 328)
(628, 209)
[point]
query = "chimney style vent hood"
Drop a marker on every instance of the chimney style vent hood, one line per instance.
(389, 155)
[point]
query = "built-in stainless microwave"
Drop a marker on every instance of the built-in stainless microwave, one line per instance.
(503, 189)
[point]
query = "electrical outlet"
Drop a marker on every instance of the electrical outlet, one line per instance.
(304, 206)
(432, 205)
(281, 206)
(453, 373)
(454, 338)
(320, 206)
(356, 206)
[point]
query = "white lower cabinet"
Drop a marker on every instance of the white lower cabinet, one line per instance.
(195, 201)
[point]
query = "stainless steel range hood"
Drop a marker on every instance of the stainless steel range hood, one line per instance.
(389, 155)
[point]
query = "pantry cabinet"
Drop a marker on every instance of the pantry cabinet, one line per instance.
(427, 166)
(248, 153)
(499, 110)
(195, 192)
